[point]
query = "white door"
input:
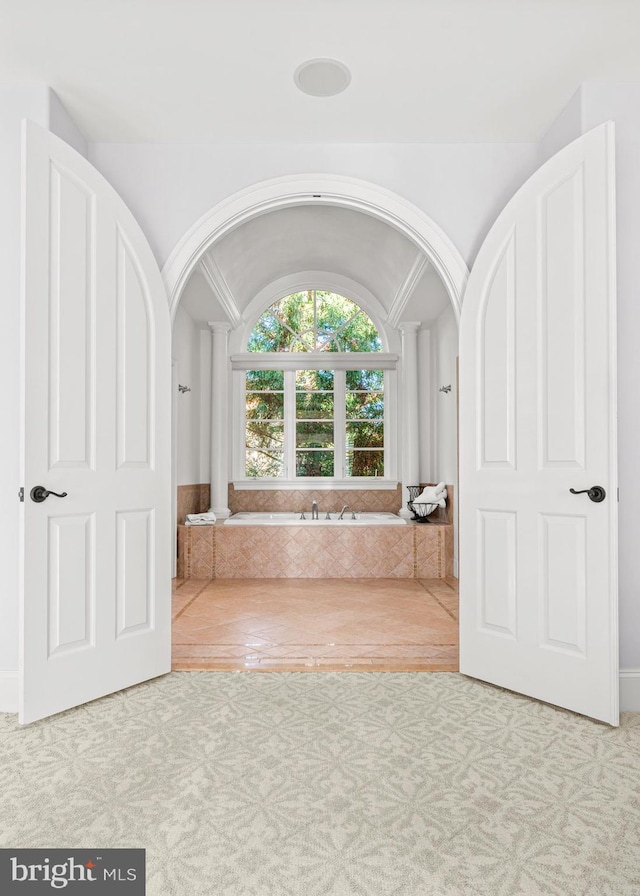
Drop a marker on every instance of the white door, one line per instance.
(95, 613)
(538, 587)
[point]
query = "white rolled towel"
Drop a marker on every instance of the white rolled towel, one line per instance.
(433, 494)
(200, 519)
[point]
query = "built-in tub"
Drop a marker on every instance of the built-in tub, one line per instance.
(281, 545)
(294, 519)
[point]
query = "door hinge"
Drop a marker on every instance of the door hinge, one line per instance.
(21, 493)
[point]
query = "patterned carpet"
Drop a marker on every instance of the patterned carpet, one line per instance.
(329, 784)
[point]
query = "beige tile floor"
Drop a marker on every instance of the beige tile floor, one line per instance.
(311, 624)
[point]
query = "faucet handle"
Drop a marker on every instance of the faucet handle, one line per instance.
(328, 516)
(353, 515)
(302, 516)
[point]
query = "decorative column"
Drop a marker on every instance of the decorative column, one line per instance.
(410, 447)
(427, 429)
(220, 422)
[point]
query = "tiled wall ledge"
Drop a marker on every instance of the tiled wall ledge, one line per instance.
(417, 550)
(195, 499)
(294, 500)
(192, 499)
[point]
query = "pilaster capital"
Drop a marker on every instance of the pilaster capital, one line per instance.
(219, 326)
(409, 326)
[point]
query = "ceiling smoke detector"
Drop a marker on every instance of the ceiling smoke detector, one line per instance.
(322, 77)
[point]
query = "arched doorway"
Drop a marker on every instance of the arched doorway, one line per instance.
(309, 190)
(322, 189)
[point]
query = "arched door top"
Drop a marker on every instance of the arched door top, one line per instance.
(323, 189)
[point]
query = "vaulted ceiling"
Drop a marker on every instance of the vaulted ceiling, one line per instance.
(222, 70)
(335, 241)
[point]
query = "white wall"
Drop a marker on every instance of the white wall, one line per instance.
(446, 415)
(446, 347)
(462, 187)
(62, 125)
(566, 127)
(185, 352)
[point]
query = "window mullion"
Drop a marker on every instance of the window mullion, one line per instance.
(289, 424)
(339, 424)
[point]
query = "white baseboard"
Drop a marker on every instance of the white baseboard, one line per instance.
(8, 692)
(630, 690)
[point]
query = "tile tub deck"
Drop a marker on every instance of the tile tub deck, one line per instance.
(414, 551)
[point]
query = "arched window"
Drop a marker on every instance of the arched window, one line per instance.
(314, 321)
(315, 396)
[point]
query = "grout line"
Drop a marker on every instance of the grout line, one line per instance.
(188, 604)
(440, 604)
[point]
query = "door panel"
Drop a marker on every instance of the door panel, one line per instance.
(135, 395)
(497, 537)
(96, 365)
(497, 366)
(538, 587)
(134, 570)
(72, 583)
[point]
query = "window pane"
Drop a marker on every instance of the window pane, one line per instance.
(365, 404)
(314, 321)
(371, 380)
(314, 463)
(314, 405)
(314, 435)
(314, 380)
(365, 434)
(261, 380)
(260, 464)
(265, 405)
(365, 463)
(261, 434)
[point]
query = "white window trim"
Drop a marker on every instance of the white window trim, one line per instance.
(314, 361)
(316, 483)
(292, 361)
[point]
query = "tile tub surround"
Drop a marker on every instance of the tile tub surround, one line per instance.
(286, 500)
(355, 520)
(192, 499)
(196, 499)
(417, 550)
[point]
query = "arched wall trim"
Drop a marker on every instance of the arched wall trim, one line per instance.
(323, 189)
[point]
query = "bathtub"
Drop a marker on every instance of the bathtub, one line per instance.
(281, 545)
(293, 519)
